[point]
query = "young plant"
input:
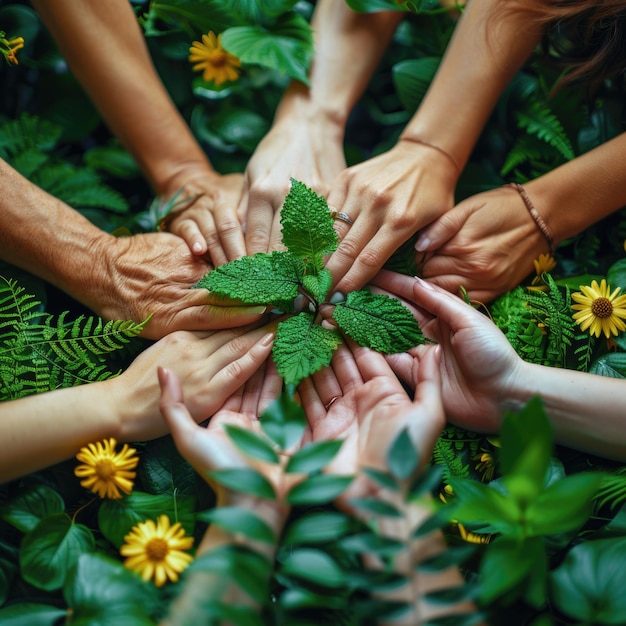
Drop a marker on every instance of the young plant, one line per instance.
(303, 346)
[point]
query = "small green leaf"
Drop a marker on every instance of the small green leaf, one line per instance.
(376, 507)
(318, 285)
(379, 322)
(302, 347)
(252, 444)
(453, 556)
(451, 595)
(317, 528)
(320, 489)
(372, 543)
(384, 479)
(257, 279)
(31, 613)
(244, 480)
(313, 566)
(284, 421)
(313, 457)
(402, 457)
(412, 78)
(307, 225)
(237, 520)
(426, 482)
(49, 551)
(30, 505)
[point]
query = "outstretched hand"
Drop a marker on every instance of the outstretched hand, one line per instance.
(479, 367)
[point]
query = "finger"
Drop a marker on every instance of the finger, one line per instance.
(398, 284)
(346, 369)
(232, 241)
(207, 317)
(189, 230)
(259, 219)
(440, 231)
(272, 386)
(327, 386)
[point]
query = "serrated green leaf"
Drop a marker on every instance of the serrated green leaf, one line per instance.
(284, 421)
(31, 505)
(378, 321)
(50, 550)
(402, 457)
(257, 279)
(244, 480)
(313, 457)
(319, 489)
(313, 566)
(317, 528)
(237, 520)
(302, 347)
(307, 225)
(252, 444)
(318, 286)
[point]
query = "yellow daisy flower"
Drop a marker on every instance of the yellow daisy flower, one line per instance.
(105, 471)
(599, 309)
(156, 550)
(544, 263)
(218, 65)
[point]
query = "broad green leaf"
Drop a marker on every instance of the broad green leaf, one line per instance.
(378, 322)
(293, 599)
(564, 505)
(612, 365)
(257, 279)
(477, 502)
(320, 489)
(317, 527)
(259, 10)
(588, 585)
(50, 550)
(307, 225)
(318, 285)
(616, 275)
(302, 347)
(117, 517)
(244, 567)
(31, 614)
(376, 507)
(313, 457)
(102, 592)
(285, 46)
(241, 521)
(30, 505)
(402, 458)
(244, 480)
(313, 566)
(8, 568)
(412, 78)
(251, 444)
(164, 471)
(506, 563)
(284, 421)
(373, 6)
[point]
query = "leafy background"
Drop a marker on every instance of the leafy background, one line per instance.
(51, 133)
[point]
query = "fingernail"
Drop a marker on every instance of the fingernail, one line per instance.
(422, 283)
(422, 243)
(197, 247)
(256, 310)
(337, 297)
(267, 339)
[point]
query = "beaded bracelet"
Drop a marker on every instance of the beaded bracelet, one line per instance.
(440, 150)
(541, 224)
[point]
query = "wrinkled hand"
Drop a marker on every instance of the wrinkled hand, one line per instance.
(360, 400)
(211, 365)
(153, 274)
(389, 198)
(478, 365)
(207, 220)
(486, 244)
(305, 149)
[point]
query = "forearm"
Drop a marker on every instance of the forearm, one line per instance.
(43, 429)
(574, 196)
(488, 47)
(123, 83)
(586, 410)
(348, 47)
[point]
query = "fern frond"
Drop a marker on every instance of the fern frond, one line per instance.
(25, 133)
(539, 120)
(526, 148)
(612, 491)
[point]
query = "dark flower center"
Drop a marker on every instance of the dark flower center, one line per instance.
(602, 307)
(157, 549)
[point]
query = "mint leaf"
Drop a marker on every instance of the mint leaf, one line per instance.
(307, 225)
(258, 279)
(319, 285)
(302, 347)
(378, 321)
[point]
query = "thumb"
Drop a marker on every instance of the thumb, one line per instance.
(439, 232)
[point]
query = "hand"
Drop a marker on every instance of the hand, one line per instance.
(153, 274)
(486, 244)
(208, 221)
(479, 368)
(389, 198)
(360, 400)
(212, 366)
(307, 149)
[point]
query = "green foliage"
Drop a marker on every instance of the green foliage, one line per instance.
(302, 346)
(40, 352)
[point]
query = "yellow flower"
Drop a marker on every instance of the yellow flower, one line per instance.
(10, 46)
(544, 263)
(156, 550)
(599, 309)
(218, 65)
(105, 471)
